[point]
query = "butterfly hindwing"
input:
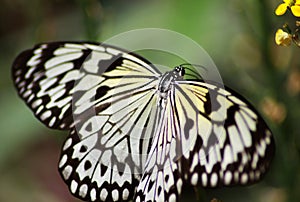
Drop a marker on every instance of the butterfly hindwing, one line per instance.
(161, 180)
(89, 178)
(208, 137)
(233, 145)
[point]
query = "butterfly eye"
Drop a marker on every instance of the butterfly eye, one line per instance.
(182, 71)
(179, 70)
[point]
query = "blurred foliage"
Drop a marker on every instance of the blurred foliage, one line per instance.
(238, 35)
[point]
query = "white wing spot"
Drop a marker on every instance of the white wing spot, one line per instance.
(268, 140)
(67, 172)
(63, 160)
(62, 50)
(36, 103)
(204, 179)
(172, 197)
(21, 84)
(115, 195)
(30, 98)
(138, 199)
(38, 51)
(179, 183)
(125, 194)
(93, 194)
(30, 71)
(34, 60)
(261, 148)
(83, 190)
(75, 46)
(228, 177)
(52, 122)
(17, 80)
(103, 194)
(244, 178)
(254, 160)
(46, 115)
(27, 93)
(74, 186)
(194, 179)
(236, 176)
(18, 72)
(39, 109)
(67, 144)
(214, 179)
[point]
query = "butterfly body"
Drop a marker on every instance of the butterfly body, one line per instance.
(166, 81)
(136, 133)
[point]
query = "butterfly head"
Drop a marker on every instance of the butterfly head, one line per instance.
(169, 77)
(179, 71)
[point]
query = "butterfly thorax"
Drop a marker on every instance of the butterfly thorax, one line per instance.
(166, 81)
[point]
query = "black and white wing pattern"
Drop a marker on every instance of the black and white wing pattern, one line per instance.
(105, 96)
(136, 133)
(231, 142)
(209, 137)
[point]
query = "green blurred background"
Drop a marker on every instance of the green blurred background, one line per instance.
(238, 35)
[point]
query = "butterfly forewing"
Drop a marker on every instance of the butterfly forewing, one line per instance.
(45, 76)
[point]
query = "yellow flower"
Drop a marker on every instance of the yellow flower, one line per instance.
(294, 5)
(283, 38)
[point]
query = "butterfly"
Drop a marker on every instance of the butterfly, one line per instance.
(136, 133)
